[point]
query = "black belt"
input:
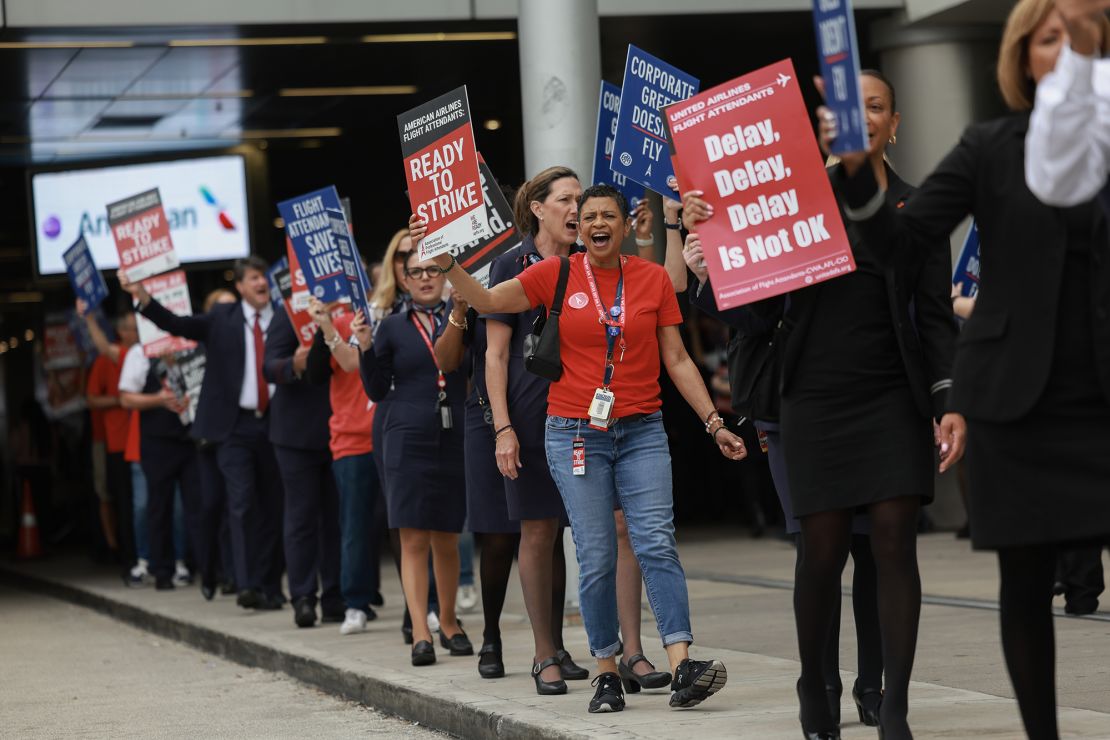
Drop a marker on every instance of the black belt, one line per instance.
(631, 417)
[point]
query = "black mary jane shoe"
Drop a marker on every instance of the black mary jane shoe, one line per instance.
(458, 644)
(633, 681)
(571, 671)
(867, 702)
(809, 732)
(423, 653)
(490, 662)
(548, 688)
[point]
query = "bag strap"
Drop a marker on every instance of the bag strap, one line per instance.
(561, 286)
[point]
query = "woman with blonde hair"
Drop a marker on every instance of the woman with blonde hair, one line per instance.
(1032, 374)
(390, 292)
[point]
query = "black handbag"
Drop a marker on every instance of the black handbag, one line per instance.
(541, 347)
(754, 369)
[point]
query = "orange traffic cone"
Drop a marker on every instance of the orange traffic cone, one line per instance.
(28, 545)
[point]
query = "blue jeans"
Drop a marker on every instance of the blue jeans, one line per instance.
(631, 465)
(356, 477)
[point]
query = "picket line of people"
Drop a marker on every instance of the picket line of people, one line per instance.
(435, 414)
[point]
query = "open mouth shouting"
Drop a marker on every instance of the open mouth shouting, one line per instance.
(599, 238)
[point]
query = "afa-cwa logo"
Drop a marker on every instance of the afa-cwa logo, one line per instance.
(178, 218)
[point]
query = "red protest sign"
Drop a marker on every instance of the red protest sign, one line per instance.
(749, 146)
(172, 291)
(441, 168)
(295, 297)
(142, 235)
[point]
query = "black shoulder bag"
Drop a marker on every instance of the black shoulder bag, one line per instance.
(541, 347)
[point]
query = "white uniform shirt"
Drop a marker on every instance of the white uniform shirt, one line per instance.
(1067, 149)
(248, 392)
(136, 366)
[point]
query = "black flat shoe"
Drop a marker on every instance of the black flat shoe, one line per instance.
(633, 681)
(697, 680)
(304, 612)
(490, 662)
(809, 732)
(207, 590)
(571, 671)
(423, 653)
(867, 702)
(833, 692)
(458, 644)
(608, 697)
(548, 688)
(248, 598)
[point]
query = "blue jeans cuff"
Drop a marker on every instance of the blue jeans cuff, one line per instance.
(676, 637)
(607, 652)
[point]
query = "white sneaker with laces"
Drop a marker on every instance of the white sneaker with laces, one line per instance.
(354, 621)
(181, 574)
(467, 599)
(433, 622)
(139, 574)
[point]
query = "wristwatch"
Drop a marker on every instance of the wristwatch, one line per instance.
(674, 227)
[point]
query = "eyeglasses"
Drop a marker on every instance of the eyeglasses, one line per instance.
(422, 272)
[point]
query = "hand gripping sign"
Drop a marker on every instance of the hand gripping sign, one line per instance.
(441, 168)
(749, 146)
(142, 235)
(640, 141)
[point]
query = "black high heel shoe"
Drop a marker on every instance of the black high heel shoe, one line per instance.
(490, 662)
(633, 681)
(867, 702)
(548, 688)
(809, 733)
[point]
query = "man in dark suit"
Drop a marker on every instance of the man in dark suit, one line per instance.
(299, 432)
(233, 414)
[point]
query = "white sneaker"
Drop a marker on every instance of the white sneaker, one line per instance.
(354, 621)
(433, 622)
(467, 599)
(139, 574)
(181, 574)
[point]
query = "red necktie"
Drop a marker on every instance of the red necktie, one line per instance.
(259, 354)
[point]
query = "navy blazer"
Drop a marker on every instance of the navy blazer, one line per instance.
(221, 330)
(299, 410)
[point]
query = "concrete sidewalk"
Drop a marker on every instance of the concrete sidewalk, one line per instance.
(741, 605)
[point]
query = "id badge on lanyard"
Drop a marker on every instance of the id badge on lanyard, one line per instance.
(613, 320)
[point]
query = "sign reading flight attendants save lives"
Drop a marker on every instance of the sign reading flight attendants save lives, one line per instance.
(296, 298)
(839, 55)
(441, 168)
(308, 228)
(142, 235)
(172, 291)
(640, 142)
(608, 105)
(749, 146)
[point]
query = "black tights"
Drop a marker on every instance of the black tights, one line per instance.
(496, 551)
(865, 608)
(1028, 642)
(825, 542)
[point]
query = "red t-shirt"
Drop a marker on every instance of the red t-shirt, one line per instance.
(133, 453)
(104, 381)
(650, 302)
(352, 415)
(96, 416)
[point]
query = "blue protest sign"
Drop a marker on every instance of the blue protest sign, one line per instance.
(308, 226)
(608, 105)
(274, 277)
(640, 150)
(358, 285)
(966, 274)
(838, 53)
(88, 284)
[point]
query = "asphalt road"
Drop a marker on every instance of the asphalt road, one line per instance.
(66, 671)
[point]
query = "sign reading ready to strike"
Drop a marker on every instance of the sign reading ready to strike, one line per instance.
(441, 167)
(308, 227)
(142, 235)
(749, 146)
(640, 143)
(608, 106)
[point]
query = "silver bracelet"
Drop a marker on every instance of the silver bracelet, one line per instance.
(645, 242)
(333, 343)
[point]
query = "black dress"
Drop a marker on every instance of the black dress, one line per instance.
(533, 495)
(425, 486)
(486, 506)
(850, 425)
(1046, 477)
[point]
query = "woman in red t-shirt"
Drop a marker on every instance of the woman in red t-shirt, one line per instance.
(604, 437)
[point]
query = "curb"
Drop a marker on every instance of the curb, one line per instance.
(444, 715)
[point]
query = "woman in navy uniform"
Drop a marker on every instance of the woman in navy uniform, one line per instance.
(422, 450)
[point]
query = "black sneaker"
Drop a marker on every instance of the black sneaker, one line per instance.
(609, 696)
(697, 680)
